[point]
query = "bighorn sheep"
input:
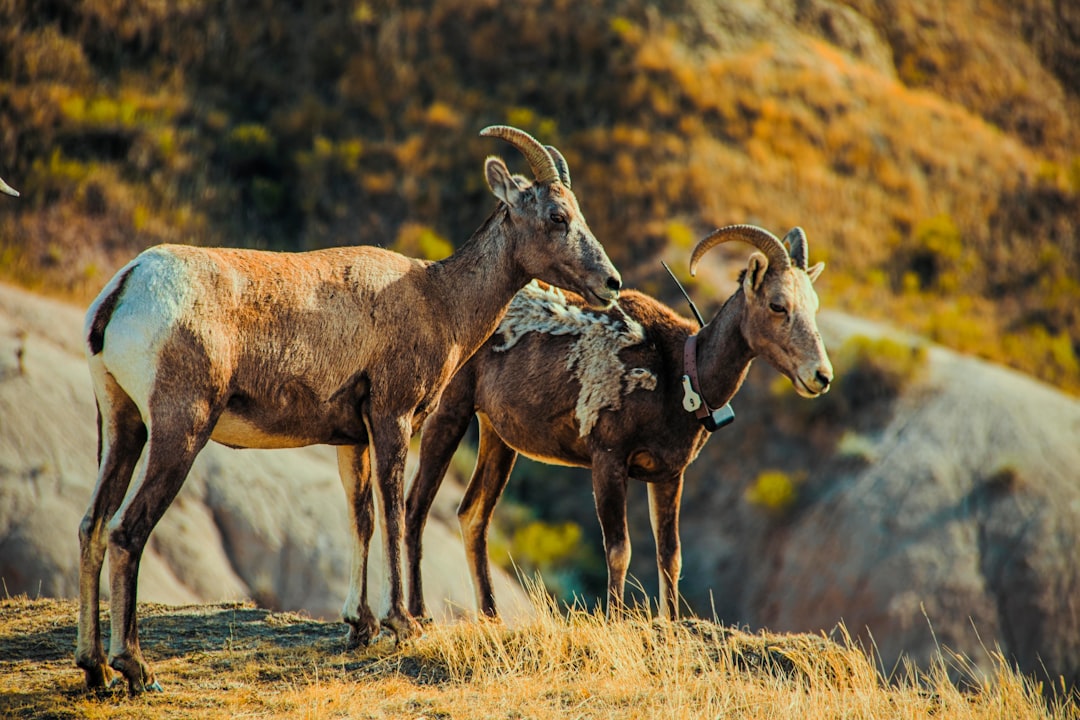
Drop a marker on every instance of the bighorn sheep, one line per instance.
(349, 346)
(627, 392)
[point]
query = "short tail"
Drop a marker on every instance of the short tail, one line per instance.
(95, 337)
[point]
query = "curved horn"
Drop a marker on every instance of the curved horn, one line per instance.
(560, 165)
(7, 189)
(760, 238)
(796, 240)
(542, 164)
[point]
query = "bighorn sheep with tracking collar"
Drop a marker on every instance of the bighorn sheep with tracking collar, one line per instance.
(349, 346)
(626, 392)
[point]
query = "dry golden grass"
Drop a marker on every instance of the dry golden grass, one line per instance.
(235, 660)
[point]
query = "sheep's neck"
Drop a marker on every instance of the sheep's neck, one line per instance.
(723, 354)
(478, 281)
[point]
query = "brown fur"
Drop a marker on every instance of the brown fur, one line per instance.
(525, 399)
(345, 346)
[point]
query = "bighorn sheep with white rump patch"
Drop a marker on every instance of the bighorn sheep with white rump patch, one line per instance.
(626, 392)
(349, 346)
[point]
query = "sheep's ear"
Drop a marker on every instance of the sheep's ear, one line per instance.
(815, 271)
(755, 272)
(501, 182)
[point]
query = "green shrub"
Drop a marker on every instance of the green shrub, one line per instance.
(421, 241)
(539, 545)
(556, 551)
(773, 490)
(936, 255)
(680, 235)
(870, 369)
(267, 195)
(1005, 477)
(46, 54)
(249, 143)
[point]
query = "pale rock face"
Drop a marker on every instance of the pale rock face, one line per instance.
(958, 530)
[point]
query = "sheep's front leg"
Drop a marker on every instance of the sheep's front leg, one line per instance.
(443, 432)
(354, 466)
(664, 499)
(609, 491)
(389, 447)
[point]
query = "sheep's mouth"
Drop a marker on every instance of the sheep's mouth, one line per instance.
(602, 299)
(805, 390)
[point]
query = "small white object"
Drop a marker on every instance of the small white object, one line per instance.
(691, 400)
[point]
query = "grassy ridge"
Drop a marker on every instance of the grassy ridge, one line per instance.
(236, 660)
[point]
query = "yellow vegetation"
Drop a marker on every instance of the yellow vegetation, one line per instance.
(942, 183)
(774, 490)
(230, 661)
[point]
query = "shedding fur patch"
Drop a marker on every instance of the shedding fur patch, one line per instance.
(593, 359)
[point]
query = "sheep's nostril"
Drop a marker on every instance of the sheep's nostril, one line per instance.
(614, 283)
(823, 379)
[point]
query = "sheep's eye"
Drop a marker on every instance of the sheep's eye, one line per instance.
(778, 308)
(558, 218)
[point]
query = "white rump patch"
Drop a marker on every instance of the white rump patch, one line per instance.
(593, 359)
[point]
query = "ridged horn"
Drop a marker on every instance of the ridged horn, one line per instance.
(560, 164)
(760, 238)
(540, 161)
(7, 189)
(796, 240)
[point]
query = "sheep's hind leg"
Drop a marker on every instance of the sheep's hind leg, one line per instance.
(169, 459)
(121, 437)
(354, 467)
(664, 499)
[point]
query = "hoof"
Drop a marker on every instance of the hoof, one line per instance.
(99, 676)
(360, 634)
(137, 673)
(385, 640)
(138, 687)
(403, 628)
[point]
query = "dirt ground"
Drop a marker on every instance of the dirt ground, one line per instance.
(38, 676)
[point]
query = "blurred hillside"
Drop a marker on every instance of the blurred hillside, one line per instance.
(932, 154)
